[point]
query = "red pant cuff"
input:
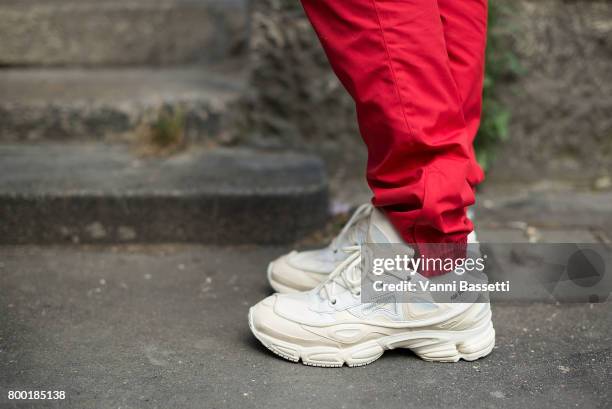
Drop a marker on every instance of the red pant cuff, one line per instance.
(440, 258)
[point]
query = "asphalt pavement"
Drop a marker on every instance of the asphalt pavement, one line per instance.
(164, 326)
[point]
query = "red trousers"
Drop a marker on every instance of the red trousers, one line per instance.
(415, 69)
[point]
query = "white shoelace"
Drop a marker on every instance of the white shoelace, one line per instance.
(349, 230)
(347, 274)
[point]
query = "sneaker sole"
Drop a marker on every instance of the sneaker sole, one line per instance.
(429, 345)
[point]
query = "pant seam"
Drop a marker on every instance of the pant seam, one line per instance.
(390, 65)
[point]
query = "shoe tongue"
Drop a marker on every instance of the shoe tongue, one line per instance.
(380, 230)
(357, 234)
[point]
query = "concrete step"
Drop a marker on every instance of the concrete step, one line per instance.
(562, 214)
(113, 32)
(106, 103)
(97, 193)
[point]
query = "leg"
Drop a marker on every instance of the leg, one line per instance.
(465, 32)
(392, 58)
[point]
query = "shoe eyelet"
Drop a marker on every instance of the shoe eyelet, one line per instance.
(333, 302)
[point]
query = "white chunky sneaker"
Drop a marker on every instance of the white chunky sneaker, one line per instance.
(304, 270)
(330, 326)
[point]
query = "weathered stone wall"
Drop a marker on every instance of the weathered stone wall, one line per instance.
(295, 100)
(561, 106)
